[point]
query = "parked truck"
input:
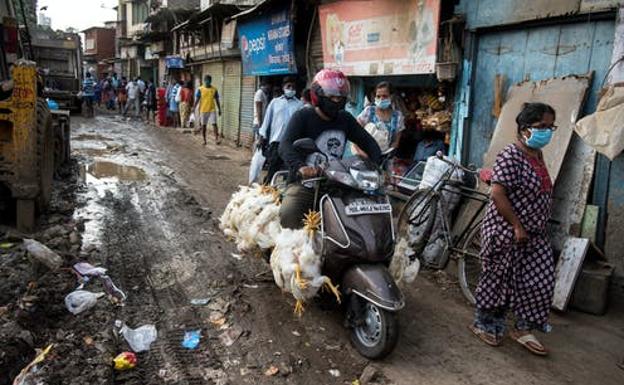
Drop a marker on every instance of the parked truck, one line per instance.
(59, 58)
(34, 141)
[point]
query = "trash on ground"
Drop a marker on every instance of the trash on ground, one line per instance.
(248, 286)
(22, 377)
(191, 339)
(85, 270)
(80, 300)
(334, 372)
(6, 245)
(273, 370)
(88, 340)
(237, 256)
(43, 254)
(217, 318)
(220, 305)
(125, 361)
(140, 338)
(231, 335)
(200, 301)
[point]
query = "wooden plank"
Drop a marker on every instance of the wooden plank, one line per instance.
(568, 268)
(590, 222)
(565, 95)
(571, 191)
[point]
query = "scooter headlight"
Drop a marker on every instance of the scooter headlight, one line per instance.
(366, 180)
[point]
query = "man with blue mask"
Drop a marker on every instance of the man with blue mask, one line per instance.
(277, 117)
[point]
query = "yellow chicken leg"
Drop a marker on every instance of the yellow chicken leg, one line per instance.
(299, 308)
(334, 289)
(301, 282)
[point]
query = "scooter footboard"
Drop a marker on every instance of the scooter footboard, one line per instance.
(375, 284)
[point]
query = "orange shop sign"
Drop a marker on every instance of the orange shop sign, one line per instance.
(380, 37)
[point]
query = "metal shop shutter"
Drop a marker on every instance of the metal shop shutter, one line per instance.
(246, 111)
(315, 59)
(534, 53)
(231, 99)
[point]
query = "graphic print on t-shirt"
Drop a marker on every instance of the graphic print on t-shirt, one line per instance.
(331, 143)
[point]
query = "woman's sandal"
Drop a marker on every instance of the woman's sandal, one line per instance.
(530, 343)
(486, 337)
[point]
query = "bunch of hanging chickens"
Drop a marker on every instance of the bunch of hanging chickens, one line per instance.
(251, 219)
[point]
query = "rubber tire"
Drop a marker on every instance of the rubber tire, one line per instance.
(45, 155)
(402, 223)
(462, 264)
(389, 338)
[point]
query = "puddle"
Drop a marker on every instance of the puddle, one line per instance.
(104, 170)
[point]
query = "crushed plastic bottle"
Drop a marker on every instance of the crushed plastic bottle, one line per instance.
(140, 338)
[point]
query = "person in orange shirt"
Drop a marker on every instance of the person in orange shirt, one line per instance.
(186, 101)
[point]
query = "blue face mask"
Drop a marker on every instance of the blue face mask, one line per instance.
(382, 103)
(539, 137)
(289, 93)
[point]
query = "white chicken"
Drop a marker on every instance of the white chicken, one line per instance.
(404, 266)
(251, 218)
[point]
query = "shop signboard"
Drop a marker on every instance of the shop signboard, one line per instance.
(267, 44)
(380, 37)
(174, 62)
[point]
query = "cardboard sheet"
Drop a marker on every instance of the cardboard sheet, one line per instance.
(568, 268)
(604, 129)
(566, 95)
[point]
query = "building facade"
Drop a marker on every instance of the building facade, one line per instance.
(99, 49)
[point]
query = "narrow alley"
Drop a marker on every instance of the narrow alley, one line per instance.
(147, 201)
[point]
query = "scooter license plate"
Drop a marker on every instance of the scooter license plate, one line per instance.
(360, 208)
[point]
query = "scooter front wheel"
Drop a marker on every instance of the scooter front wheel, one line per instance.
(375, 332)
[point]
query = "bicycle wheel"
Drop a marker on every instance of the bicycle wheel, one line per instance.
(417, 217)
(469, 264)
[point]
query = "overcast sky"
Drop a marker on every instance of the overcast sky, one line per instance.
(80, 14)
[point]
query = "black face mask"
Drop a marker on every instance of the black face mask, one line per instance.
(330, 108)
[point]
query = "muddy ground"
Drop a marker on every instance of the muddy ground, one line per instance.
(144, 202)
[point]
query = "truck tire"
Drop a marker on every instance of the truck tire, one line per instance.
(45, 154)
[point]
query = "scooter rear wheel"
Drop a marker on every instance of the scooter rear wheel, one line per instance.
(376, 331)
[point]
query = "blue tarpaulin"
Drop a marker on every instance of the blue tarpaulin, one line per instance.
(267, 44)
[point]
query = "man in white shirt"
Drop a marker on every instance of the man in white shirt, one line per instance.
(261, 102)
(132, 89)
(278, 115)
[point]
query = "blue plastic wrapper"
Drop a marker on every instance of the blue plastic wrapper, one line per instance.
(191, 339)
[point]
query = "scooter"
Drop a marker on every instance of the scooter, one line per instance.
(357, 247)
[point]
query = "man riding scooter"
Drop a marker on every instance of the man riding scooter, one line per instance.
(330, 126)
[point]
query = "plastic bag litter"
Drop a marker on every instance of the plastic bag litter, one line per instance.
(140, 338)
(191, 339)
(43, 254)
(255, 169)
(80, 300)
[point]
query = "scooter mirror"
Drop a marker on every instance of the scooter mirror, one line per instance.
(306, 145)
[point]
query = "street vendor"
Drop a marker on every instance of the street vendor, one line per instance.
(388, 121)
(330, 126)
(518, 273)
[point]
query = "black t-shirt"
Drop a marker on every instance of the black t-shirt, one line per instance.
(330, 136)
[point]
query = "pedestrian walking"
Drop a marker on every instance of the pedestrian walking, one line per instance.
(278, 115)
(133, 101)
(88, 94)
(207, 98)
(518, 273)
(150, 101)
(122, 95)
(186, 101)
(261, 102)
(173, 102)
(98, 92)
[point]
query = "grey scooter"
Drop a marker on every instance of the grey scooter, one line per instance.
(357, 247)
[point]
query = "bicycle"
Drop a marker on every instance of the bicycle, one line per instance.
(418, 216)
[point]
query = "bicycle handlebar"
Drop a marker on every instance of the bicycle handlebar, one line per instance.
(440, 156)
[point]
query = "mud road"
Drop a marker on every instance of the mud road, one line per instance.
(145, 204)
